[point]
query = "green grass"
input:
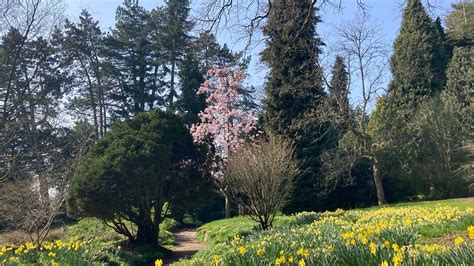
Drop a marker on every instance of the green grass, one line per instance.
(439, 234)
(223, 230)
(458, 203)
(110, 247)
(93, 228)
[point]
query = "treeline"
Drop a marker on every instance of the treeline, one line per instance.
(134, 89)
(417, 143)
(63, 85)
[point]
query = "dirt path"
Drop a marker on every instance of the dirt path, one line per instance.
(186, 244)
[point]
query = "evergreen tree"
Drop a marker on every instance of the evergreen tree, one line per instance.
(129, 60)
(174, 38)
(83, 44)
(441, 54)
(140, 165)
(210, 53)
(294, 88)
(190, 103)
(460, 23)
(339, 86)
(419, 58)
(460, 71)
(460, 75)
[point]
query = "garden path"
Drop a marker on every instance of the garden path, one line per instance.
(186, 244)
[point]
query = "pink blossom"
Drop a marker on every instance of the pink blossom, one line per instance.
(223, 120)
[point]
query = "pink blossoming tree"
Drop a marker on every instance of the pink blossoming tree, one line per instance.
(224, 121)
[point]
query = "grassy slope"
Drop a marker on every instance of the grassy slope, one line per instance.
(217, 232)
(109, 245)
(222, 230)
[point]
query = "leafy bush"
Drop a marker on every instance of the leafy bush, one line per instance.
(132, 171)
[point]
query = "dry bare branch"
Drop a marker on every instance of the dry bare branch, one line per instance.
(260, 178)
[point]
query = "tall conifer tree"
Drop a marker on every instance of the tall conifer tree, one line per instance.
(129, 58)
(190, 103)
(419, 58)
(174, 38)
(338, 87)
(294, 88)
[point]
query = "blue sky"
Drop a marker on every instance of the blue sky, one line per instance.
(386, 13)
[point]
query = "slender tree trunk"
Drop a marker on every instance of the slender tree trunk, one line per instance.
(378, 181)
(101, 116)
(431, 186)
(240, 210)
(172, 91)
(227, 204)
(94, 111)
(101, 99)
(92, 99)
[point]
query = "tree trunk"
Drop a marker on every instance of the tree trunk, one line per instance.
(227, 205)
(241, 210)
(432, 187)
(172, 91)
(378, 181)
(147, 233)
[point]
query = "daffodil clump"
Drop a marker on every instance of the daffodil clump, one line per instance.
(73, 252)
(386, 236)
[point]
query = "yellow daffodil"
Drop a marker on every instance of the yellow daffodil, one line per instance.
(397, 259)
(159, 262)
(458, 241)
(373, 248)
(470, 232)
(280, 260)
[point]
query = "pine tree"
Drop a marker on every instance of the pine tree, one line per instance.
(129, 56)
(294, 88)
(83, 44)
(174, 39)
(210, 53)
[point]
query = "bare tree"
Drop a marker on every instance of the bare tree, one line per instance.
(31, 17)
(260, 178)
(22, 207)
(246, 17)
(367, 58)
(23, 211)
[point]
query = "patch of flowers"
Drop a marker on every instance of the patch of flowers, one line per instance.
(73, 252)
(386, 236)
